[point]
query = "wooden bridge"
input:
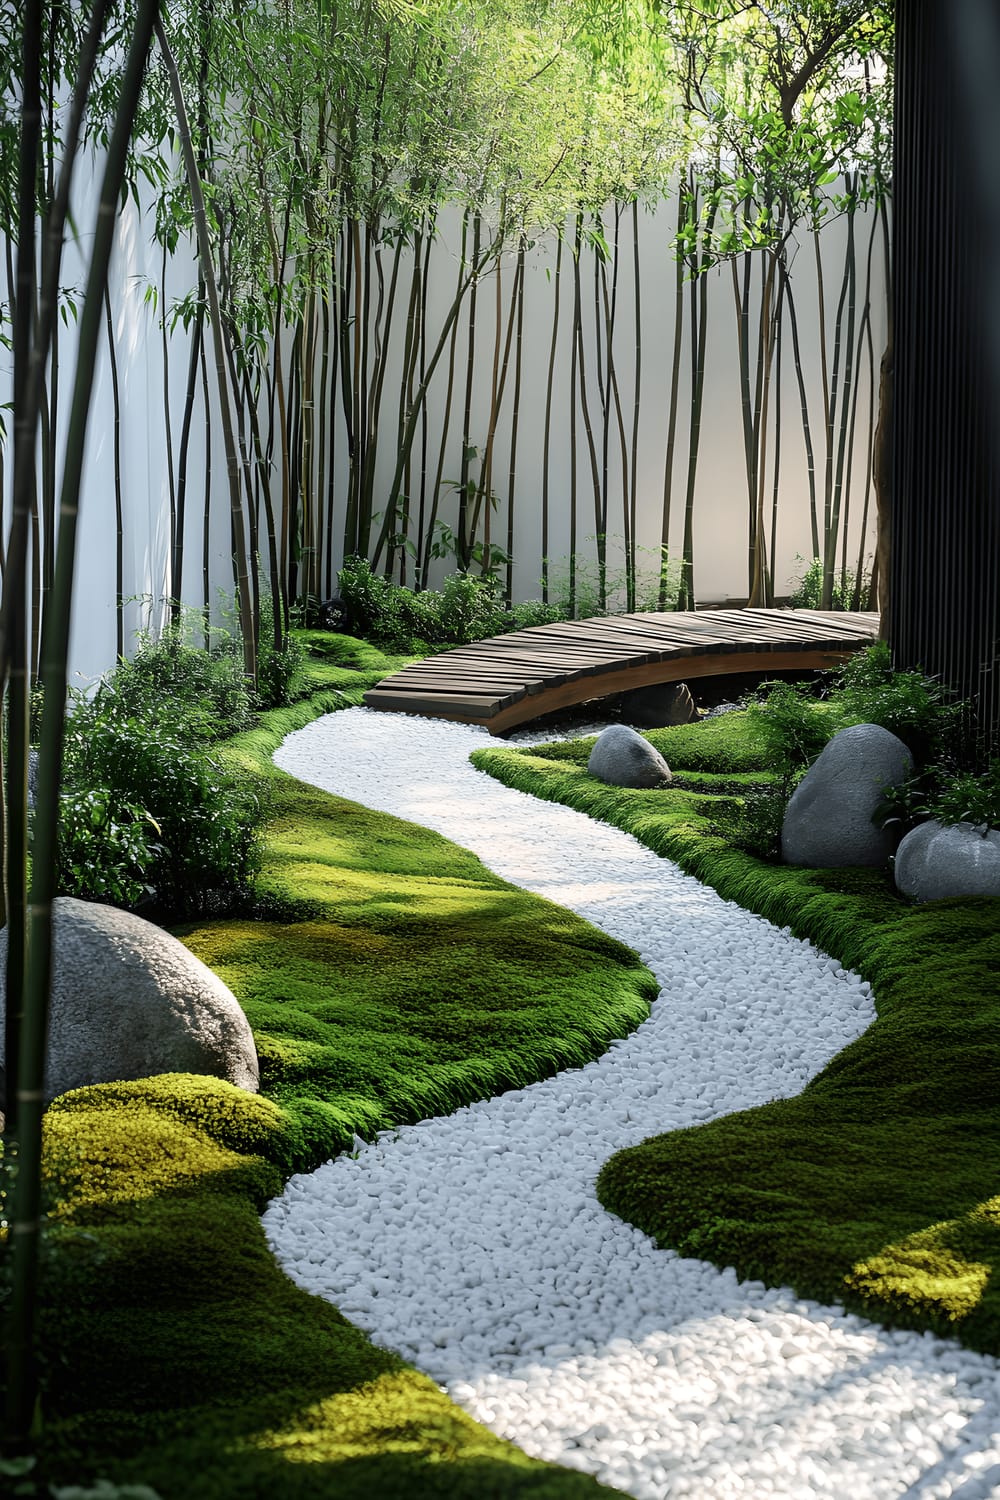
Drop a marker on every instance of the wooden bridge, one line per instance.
(510, 679)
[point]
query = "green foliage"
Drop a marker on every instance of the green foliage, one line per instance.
(947, 795)
(969, 798)
(789, 720)
(807, 592)
(107, 847)
(584, 588)
(795, 723)
(279, 671)
(203, 693)
(468, 607)
(911, 705)
(126, 775)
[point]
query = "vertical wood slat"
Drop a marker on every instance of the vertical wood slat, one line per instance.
(945, 561)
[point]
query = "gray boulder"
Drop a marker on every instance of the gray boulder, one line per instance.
(621, 757)
(129, 1000)
(659, 705)
(936, 860)
(828, 820)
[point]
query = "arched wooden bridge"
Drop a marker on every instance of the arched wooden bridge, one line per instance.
(510, 679)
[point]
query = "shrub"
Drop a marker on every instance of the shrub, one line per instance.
(795, 723)
(593, 596)
(469, 607)
(807, 591)
(204, 692)
(107, 848)
(279, 672)
(968, 798)
(125, 775)
(374, 604)
(912, 705)
(792, 724)
(947, 795)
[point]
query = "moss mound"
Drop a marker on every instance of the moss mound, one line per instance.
(876, 1187)
(181, 1357)
(388, 976)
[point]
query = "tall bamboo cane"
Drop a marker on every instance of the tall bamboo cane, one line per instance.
(248, 624)
(25, 1225)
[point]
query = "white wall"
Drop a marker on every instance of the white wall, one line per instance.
(721, 497)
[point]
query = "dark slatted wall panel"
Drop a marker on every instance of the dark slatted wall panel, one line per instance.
(945, 569)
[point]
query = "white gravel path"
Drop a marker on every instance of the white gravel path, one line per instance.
(475, 1246)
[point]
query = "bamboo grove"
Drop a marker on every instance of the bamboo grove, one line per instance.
(368, 189)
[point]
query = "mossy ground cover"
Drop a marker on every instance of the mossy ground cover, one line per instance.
(388, 976)
(877, 1188)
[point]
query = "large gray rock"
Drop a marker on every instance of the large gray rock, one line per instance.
(828, 820)
(621, 757)
(129, 1000)
(659, 705)
(934, 861)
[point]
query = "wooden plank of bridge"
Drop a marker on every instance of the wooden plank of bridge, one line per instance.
(510, 679)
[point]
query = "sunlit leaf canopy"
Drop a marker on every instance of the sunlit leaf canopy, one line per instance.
(312, 113)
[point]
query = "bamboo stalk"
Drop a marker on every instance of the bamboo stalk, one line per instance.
(190, 391)
(119, 504)
(514, 415)
(595, 477)
(15, 636)
(206, 523)
(464, 540)
(427, 539)
(845, 310)
(793, 323)
(248, 623)
(633, 485)
(685, 203)
(25, 1226)
(547, 434)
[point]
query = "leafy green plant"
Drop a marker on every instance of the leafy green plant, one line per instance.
(279, 672)
(204, 693)
(912, 705)
(583, 588)
(124, 775)
(792, 723)
(373, 602)
(807, 591)
(969, 798)
(468, 607)
(107, 847)
(947, 795)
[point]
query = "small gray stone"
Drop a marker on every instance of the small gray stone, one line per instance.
(129, 1001)
(936, 860)
(659, 705)
(828, 820)
(621, 757)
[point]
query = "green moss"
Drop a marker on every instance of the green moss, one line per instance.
(388, 976)
(876, 1187)
(178, 1355)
